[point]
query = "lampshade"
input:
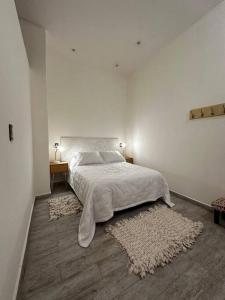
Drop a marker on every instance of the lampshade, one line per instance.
(56, 145)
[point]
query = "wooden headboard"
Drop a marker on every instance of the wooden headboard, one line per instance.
(70, 145)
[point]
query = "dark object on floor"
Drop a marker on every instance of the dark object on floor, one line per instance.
(219, 208)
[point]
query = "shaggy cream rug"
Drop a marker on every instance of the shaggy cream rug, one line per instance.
(63, 205)
(154, 237)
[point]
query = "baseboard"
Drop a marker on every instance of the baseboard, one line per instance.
(22, 255)
(199, 203)
(43, 196)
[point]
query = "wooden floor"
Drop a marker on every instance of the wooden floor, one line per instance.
(55, 267)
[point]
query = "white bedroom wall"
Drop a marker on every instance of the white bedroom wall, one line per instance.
(34, 38)
(83, 101)
(188, 73)
(16, 176)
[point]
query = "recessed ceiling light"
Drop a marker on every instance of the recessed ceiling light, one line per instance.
(73, 49)
(117, 65)
(138, 43)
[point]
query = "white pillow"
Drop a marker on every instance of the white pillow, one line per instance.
(112, 156)
(86, 158)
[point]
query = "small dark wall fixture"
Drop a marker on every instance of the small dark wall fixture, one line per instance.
(11, 137)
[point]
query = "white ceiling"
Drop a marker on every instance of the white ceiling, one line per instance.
(105, 32)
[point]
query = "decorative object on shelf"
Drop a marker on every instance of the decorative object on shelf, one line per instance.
(219, 208)
(208, 111)
(122, 147)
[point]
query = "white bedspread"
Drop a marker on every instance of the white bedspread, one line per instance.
(106, 188)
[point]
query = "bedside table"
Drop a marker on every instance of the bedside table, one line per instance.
(129, 160)
(57, 168)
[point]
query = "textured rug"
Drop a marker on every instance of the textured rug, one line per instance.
(154, 237)
(63, 205)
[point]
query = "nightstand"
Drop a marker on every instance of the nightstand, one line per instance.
(129, 160)
(60, 167)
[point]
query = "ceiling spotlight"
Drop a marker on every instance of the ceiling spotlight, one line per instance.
(116, 65)
(73, 49)
(138, 43)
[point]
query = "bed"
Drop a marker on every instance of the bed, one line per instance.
(108, 187)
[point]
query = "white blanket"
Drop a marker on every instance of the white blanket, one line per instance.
(106, 188)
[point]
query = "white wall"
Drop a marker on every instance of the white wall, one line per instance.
(83, 101)
(16, 188)
(34, 38)
(188, 73)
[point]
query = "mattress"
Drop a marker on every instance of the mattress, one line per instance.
(106, 188)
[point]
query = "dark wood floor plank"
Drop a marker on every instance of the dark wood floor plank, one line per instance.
(57, 268)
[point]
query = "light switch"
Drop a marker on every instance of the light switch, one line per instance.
(11, 132)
